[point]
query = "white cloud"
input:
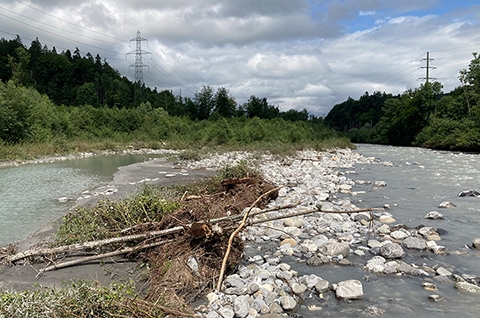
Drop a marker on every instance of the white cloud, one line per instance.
(366, 13)
(293, 52)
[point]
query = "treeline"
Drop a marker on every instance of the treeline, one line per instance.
(424, 116)
(29, 117)
(69, 79)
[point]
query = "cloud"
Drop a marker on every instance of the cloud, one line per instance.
(366, 13)
(297, 53)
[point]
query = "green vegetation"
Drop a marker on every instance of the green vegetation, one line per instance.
(79, 299)
(150, 207)
(422, 117)
(108, 218)
(58, 103)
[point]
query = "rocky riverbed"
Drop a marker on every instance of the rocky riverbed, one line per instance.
(266, 285)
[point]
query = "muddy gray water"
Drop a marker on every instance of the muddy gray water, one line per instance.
(417, 182)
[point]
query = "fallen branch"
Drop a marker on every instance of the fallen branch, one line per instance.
(218, 220)
(286, 216)
(100, 256)
(224, 263)
(91, 244)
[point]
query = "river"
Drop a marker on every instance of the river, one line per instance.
(417, 182)
(29, 193)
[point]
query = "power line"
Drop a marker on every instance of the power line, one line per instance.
(57, 35)
(55, 27)
(69, 22)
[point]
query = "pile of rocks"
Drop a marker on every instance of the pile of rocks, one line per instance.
(265, 284)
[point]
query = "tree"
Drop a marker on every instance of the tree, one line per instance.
(470, 80)
(225, 105)
(205, 102)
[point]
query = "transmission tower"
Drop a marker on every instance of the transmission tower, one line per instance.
(138, 52)
(427, 68)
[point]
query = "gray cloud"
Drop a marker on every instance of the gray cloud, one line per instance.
(294, 52)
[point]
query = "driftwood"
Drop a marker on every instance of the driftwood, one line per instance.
(91, 244)
(224, 263)
(143, 236)
(230, 218)
(121, 251)
(128, 238)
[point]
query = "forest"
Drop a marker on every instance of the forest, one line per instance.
(425, 116)
(67, 102)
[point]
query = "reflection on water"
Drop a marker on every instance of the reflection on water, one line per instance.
(29, 193)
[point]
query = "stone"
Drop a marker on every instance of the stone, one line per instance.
(344, 261)
(434, 215)
(399, 235)
(407, 269)
(272, 315)
(415, 243)
(212, 297)
(241, 306)
(193, 264)
(290, 241)
(443, 271)
(375, 261)
(467, 287)
(390, 269)
(392, 251)
(374, 243)
(384, 229)
(427, 230)
(257, 259)
(373, 311)
(322, 286)
(429, 286)
(360, 216)
(293, 222)
(476, 243)
(380, 184)
(469, 193)
(441, 250)
(314, 261)
(275, 308)
(234, 281)
(287, 302)
(446, 204)
(310, 280)
(349, 289)
(435, 298)
(236, 291)
(258, 304)
(387, 219)
(338, 249)
(298, 289)
(433, 237)
(252, 288)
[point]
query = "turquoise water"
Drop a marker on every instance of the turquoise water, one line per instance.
(29, 193)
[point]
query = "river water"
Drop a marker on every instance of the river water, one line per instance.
(416, 183)
(29, 193)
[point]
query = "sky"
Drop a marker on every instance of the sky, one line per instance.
(298, 54)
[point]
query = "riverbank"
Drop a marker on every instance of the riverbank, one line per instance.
(158, 171)
(329, 262)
